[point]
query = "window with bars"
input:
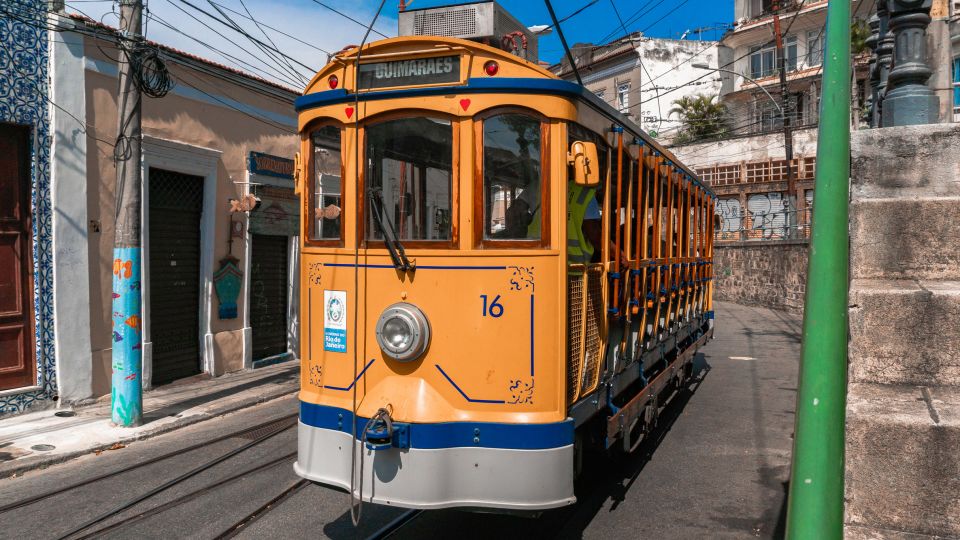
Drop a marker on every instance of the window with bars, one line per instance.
(956, 85)
(623, 97)
(814, 48)
(766, 115)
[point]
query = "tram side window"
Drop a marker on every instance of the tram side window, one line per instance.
(409, 175)
(511, 177)
(591, 226)
(327, 184)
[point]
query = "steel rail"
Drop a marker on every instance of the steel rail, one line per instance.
(185, 498)
(237, 527)
(815, 505)
(398, 523)
(170, 483)
(58, 491)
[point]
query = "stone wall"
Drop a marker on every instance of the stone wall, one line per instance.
(771, 274)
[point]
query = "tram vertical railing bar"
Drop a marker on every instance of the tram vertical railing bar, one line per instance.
(126, 394)
(815, 506)
(356, 511)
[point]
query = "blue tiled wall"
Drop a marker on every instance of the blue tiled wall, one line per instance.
(24, 87)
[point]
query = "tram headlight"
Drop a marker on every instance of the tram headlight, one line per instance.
(403, 332)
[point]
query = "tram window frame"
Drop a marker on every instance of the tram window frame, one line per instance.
(605, 156)
(479, 183)
(455, 126)
(309, 209)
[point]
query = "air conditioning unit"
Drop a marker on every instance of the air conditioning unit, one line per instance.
(486, 22)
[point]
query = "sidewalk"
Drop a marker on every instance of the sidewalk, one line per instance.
(40, 439)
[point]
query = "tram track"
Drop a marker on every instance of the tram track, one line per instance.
(263, 426)
(395, 525)
(183, 499)
(267, 432)
(247, 520)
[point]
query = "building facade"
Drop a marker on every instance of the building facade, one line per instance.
(747, 168)
(642, 77)
(219, 273)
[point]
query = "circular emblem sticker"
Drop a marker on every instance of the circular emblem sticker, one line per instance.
(335, 310)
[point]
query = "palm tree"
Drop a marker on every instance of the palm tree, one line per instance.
(859, 33)
(702, 118)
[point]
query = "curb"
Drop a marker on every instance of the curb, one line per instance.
(40, 462)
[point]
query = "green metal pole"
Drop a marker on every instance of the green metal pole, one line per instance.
(815, 507)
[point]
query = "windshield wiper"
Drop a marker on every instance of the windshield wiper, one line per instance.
(397, 254)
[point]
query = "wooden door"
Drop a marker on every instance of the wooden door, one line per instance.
(18, 364)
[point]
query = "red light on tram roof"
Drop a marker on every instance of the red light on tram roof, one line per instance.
(491, 67)
(333, 81)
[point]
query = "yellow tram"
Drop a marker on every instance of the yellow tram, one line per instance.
(497, 269)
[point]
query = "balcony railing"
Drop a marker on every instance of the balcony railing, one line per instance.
(753, 172)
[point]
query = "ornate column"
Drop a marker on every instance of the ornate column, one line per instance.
(884, 56)
(873, 41)
(908, 99)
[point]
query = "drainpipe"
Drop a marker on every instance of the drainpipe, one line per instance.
(815, 506)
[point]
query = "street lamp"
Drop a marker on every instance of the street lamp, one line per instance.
(788, 145)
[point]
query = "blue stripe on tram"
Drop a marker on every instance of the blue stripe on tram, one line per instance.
(452, 434)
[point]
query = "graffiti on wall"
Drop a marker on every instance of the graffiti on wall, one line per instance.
(731, 214)
(765, 217)
(768, 215)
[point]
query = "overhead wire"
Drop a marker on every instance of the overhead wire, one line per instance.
(279, 58)
(285, 79)
(277, 30)
(626, 35)
(381, 34)
(632, 18)
(277, 72)
(576, 12)
(247, 35)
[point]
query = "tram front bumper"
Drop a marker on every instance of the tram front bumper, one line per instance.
(515, 479)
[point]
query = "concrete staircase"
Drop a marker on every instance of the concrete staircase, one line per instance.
(903, 404)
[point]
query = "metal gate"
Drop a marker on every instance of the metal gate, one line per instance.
(268, 295)
(176, 202)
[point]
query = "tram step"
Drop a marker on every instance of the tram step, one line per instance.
(902, 465)
(905, 332)
(905, 238)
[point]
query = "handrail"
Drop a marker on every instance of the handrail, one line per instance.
(815, 506)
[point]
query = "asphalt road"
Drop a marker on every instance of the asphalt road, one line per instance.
(717, 467)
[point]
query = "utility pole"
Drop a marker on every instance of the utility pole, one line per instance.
(127, 392)
(787, 134)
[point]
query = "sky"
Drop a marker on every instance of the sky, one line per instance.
(314, 29)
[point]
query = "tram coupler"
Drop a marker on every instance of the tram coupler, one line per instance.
(382, 433)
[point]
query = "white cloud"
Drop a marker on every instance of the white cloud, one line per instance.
(303, 19)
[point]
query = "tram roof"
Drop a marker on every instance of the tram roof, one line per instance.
(540, 81)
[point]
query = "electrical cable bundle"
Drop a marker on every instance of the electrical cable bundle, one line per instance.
(149, 71)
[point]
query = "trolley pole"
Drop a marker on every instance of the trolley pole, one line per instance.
(126, 357)
(787, 133)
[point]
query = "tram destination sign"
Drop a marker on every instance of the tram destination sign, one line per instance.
(434, 70)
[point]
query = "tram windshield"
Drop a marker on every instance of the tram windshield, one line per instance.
(409, 165)
(511, 177)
